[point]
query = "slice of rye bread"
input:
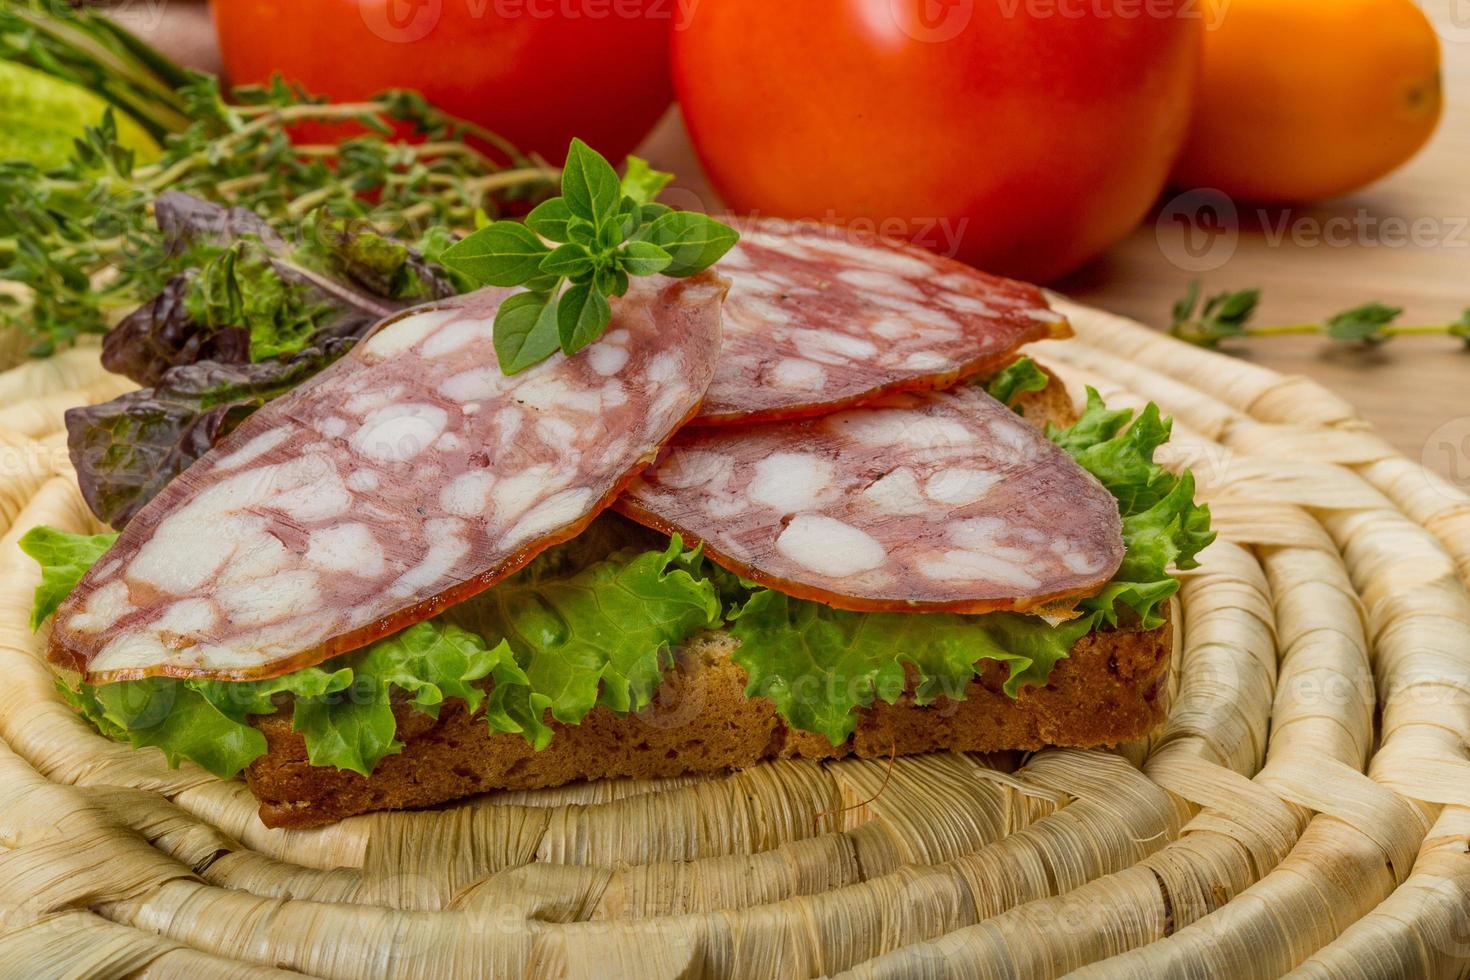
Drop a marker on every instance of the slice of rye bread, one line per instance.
(1111, 689)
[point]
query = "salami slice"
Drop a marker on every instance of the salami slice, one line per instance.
(409, 476)
(925, 501)
(818, 319)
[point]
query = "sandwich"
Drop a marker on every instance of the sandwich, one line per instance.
(803, 495)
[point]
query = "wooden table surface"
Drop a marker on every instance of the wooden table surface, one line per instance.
(1404, 241)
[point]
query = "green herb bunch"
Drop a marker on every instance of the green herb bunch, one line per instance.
(1228, 315)
(81, 240)
(601, 231)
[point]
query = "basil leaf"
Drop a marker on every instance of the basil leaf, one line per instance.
(589, 184)
(550, 219)
(570, 260)
(630, 218)
(694, 241)
(543, 283)
(643, 259)
(610, 233)
(649, 213)
(582, 230)
(611, 281)
(641, 182)
(582, 317)
(503, 253)
(525, 331)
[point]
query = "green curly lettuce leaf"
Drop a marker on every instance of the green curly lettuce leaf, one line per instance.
(1017, 378)
(201, 721)
(352, 250)
(64, 558)
(1162, 524)
(354, 727)
(242, 287)
(821, 666)
(343, 708)
(572, 631)
(602, 635)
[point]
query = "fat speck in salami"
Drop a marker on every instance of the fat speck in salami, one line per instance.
(818, 319)
(409, 476)
(924, 501)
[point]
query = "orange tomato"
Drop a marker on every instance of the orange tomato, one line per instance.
(1306, 99)
(1023, 136)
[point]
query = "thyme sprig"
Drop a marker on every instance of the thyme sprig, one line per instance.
(1228, 315)
(81, 240)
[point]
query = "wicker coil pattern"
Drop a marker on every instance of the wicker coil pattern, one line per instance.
(1304, 811)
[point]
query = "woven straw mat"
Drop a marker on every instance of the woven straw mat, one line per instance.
(1305, 810)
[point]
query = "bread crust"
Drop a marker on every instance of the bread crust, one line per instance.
(1111, 689)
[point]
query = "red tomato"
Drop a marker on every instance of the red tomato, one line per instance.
(538, 72)
(1023, 136)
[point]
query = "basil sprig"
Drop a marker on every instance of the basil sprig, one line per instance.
(602, 231)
